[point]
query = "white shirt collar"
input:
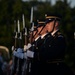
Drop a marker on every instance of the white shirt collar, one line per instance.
(43, 35)
(37, 38)
(54, 32)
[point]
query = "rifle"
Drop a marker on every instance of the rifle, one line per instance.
(32, 29)
(26, 64)
(19, 52)
(14, 48)
(24, 68)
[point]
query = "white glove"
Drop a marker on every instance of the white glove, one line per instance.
(14, 53)
(12, 48)
(30, 54)
(19, 50)
(19, 53)
(25, 47)
(29, 45)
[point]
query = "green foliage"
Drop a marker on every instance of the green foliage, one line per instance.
(17, 9)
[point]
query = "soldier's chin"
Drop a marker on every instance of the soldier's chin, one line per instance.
(50, 31)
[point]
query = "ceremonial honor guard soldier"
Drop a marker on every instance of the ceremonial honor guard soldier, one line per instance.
(37, 43)
(52, 52)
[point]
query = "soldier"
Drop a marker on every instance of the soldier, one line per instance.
(52, 51)
(37, 43)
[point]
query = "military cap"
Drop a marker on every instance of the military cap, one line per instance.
(35, 24)
(40, 23)
(50, 17)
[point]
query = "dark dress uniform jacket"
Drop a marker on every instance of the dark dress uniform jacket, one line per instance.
(35, 65)
(34, 62)
(51, 55)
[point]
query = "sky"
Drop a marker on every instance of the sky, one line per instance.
(53, 2)
(72, 2)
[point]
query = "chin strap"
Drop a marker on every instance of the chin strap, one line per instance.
(53, 26)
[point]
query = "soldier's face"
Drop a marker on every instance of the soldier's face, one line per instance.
(39, 29)
(43, 30)
(49, 26)
(35, 34)
(32, 35)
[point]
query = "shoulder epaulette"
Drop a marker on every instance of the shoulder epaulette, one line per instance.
(60, 36)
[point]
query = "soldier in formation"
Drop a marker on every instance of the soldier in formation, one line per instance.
(49, 48)
(45, 51)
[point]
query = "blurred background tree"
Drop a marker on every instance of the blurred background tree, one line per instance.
(11, 10)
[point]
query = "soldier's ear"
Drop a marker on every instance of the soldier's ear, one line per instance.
(56, 24)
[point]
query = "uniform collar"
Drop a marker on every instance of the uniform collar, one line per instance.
(37, 38)
(43, 35)
(54, 32)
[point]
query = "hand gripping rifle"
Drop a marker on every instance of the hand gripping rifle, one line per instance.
(14, 48)
(19, 52)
